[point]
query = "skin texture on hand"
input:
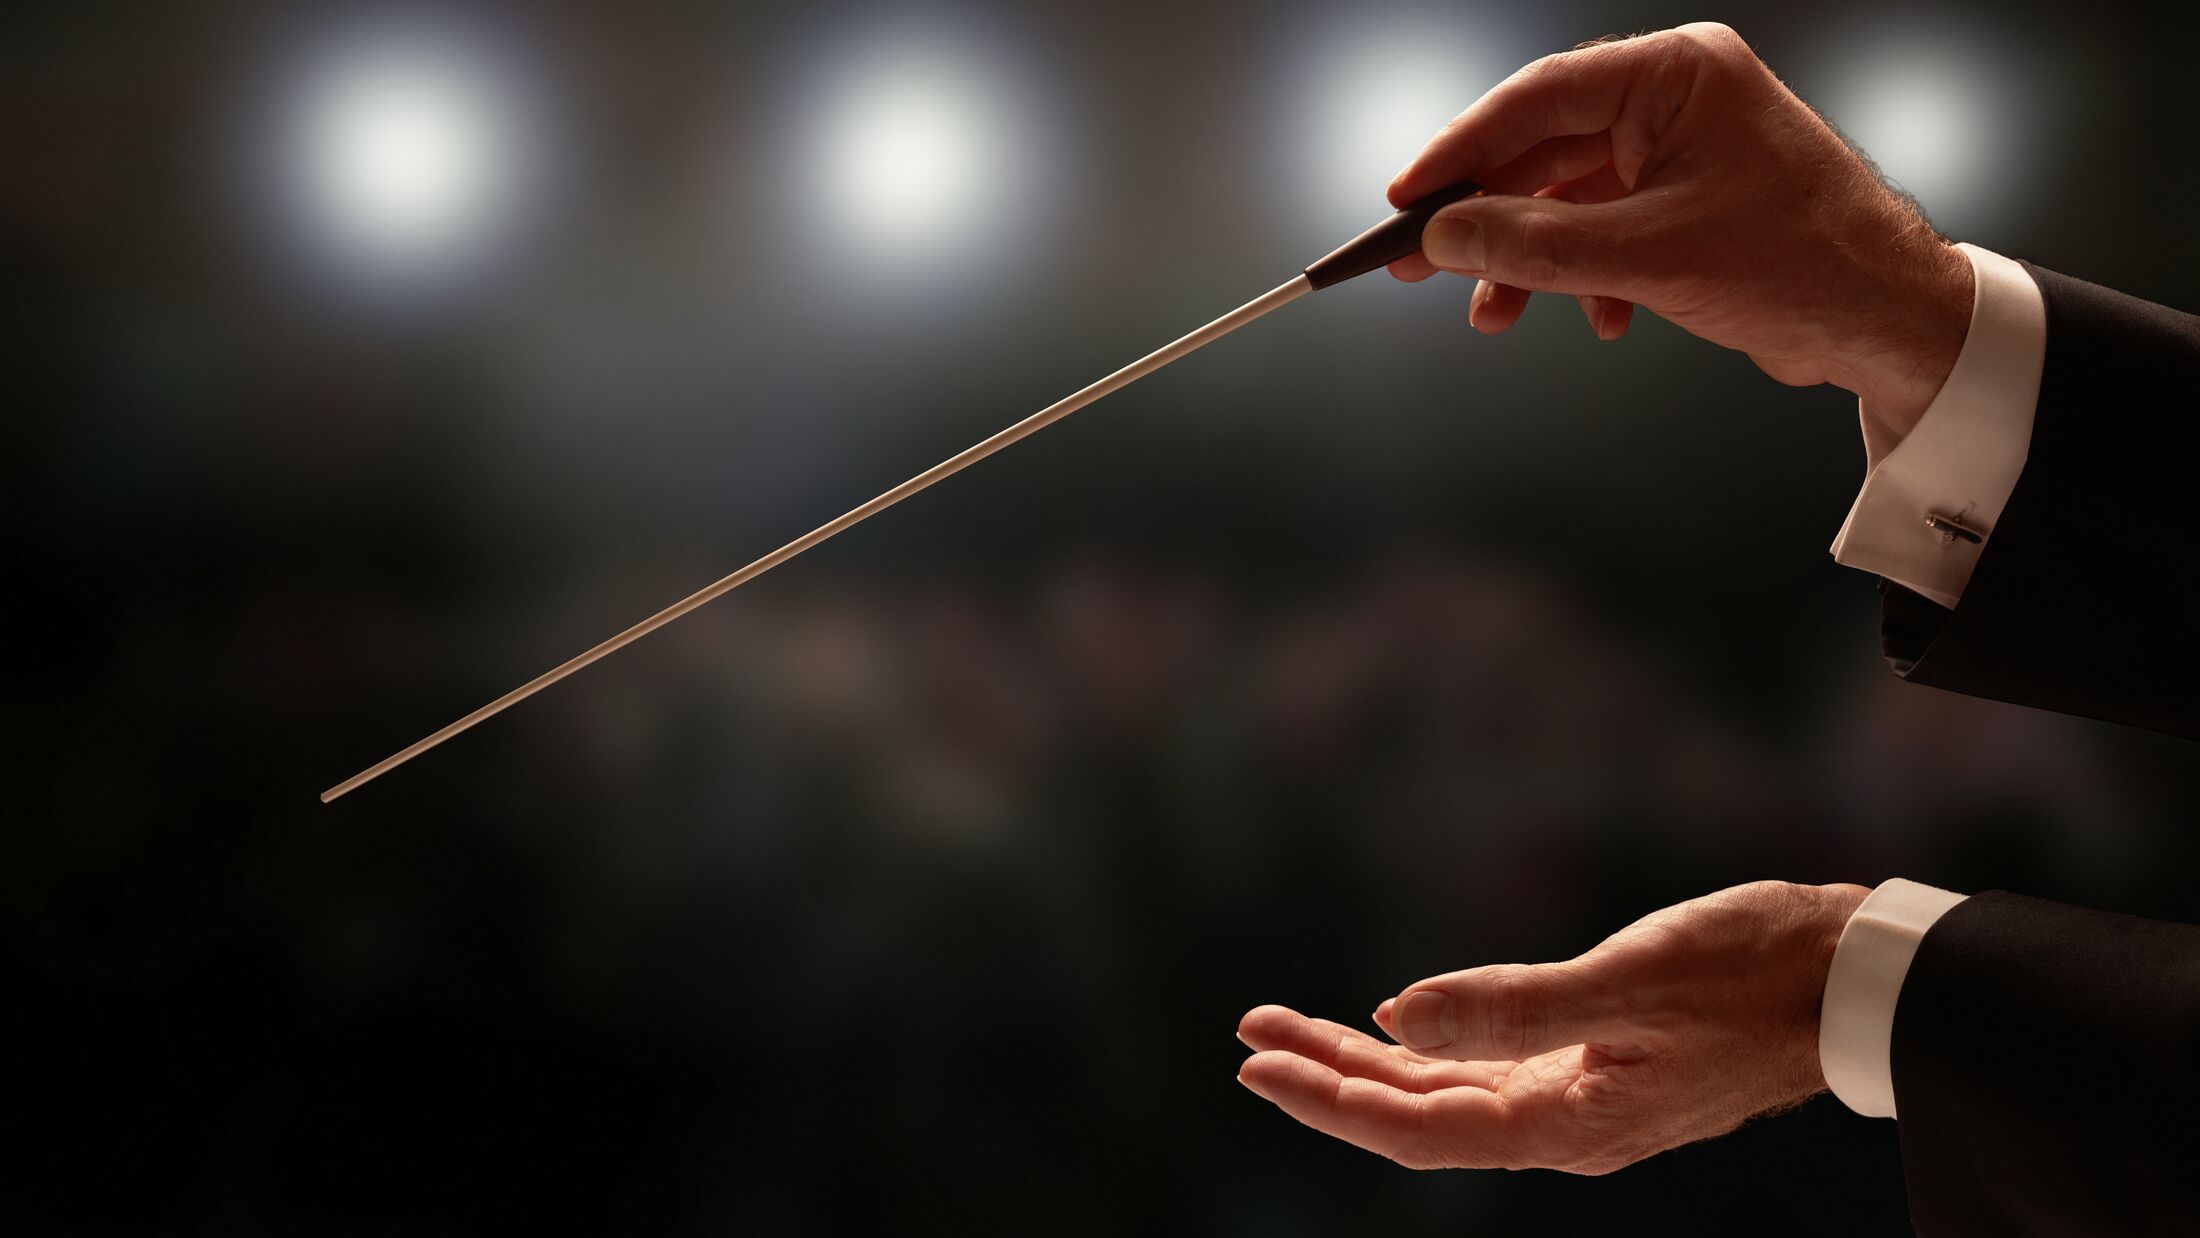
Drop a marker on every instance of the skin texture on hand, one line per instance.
(1679, 1027)
(1674, 171)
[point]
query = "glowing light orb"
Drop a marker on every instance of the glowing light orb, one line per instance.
(1943, 116)
(915, 152)
(405, 153)
(912, 151)
(1371, 93)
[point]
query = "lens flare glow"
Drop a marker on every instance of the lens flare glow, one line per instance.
(405, 154)
(1926, 131)
(1371, 93)
(915, 146)
(1945, 117)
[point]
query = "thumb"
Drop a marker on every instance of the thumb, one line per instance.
(1510, 1012)
(1541, 244)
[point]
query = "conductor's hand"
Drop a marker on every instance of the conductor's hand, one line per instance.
(1677, 1028)
(1674, 171)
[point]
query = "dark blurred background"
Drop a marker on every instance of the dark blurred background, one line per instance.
(364, 361)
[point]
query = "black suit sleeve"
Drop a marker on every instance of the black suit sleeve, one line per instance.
(2086, 598)
(2046, 1066)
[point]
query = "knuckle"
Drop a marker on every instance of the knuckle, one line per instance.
(1714, 38)
(1767, 893)
(1720, 51)
(1541, 67)
(1513, 1012)
(1416, 1150)
(1539, 82)
(1538, 251)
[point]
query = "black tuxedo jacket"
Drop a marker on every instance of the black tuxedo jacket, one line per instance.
(2046, 1058)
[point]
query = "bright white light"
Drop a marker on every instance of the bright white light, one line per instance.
(404, 154)
(1930, 112)
(916, 149)
(1372, 93)
(1925, 127)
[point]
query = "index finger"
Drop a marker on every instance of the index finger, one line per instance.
(1456, 1126)
(1354, 1053)
(1565, 95)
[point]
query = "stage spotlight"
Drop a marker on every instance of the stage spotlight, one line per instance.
(1935, 117)
(405, 155)
(913, 150)
(1369, 92)
(918, 153)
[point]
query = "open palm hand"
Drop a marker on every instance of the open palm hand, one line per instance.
(1678, 1028)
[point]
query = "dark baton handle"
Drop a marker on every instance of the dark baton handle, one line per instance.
(1396, 237)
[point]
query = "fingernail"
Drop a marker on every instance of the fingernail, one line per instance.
(1455, 244)
(1425, 1020)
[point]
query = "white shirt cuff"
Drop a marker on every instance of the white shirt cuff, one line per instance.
(1856, 1020)
(1963, 457)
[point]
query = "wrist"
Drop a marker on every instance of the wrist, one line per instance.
(1832, 907)
(1898, 361)
(1795, 932)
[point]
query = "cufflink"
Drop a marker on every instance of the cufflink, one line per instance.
(1950, 528)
